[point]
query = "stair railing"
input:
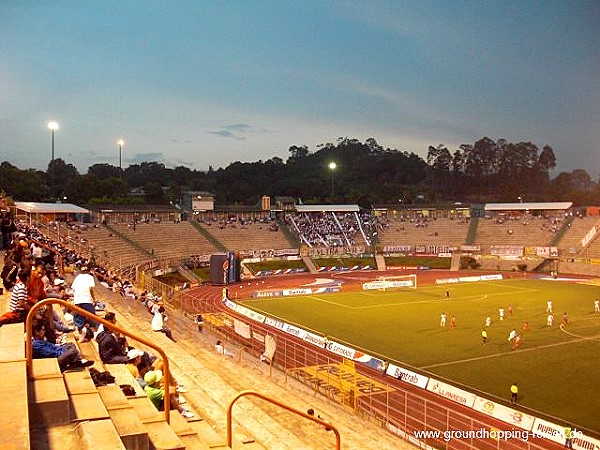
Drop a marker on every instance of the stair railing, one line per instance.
(275, 402)
(109, 325)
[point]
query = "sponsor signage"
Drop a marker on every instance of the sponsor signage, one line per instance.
(491, 277)
(241, 328)
(274, 323)
(407, 376)
(297, 291)
(451, 393)
(386, 284)
(504, 413)
(372, 285)
(340, 349)
(315, 339)
(294, 331)
(556, 433)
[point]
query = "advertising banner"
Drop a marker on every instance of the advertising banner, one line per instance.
(340, 349)
(407, 376)
(451, 393)
(315, 339)
(504, 413)
(274, 323)
(242, 328)
(557, 433)
(294, 331)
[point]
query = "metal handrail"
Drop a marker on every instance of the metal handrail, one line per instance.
(281, 405)
(108, 325)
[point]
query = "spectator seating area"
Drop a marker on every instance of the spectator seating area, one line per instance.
(520, 231)
(247, 235)
(570, 244)
(401, 230)
(167, 239)
(332, 229)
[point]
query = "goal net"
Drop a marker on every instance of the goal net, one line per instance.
(385, 283)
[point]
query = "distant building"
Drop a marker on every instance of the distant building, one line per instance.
(197, 201)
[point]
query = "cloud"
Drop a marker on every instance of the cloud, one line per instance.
(235, 131)
(147, 157)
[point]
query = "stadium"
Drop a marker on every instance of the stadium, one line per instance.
(347, 302)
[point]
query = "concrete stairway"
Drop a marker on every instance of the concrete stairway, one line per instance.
(380, 261)
(14, 416)
(310, 264)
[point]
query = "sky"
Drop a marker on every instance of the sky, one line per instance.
(207, 83)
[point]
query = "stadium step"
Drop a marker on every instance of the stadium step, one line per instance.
(380, 261)
(97, 434)
(47, 394)
(160, 433)
(12, 342)
(14, 419)
(310, 264)
(127, 423)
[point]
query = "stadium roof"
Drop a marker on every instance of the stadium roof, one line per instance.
(327, 208)
(542, 206)
(50, 208)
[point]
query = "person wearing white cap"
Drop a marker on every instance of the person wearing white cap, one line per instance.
(156, 394)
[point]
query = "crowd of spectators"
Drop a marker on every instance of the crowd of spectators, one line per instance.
(32, 271)
(332, 229)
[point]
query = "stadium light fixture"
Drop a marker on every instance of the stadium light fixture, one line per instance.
(120, 143)
(332, 167)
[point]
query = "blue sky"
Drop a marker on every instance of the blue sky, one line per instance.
(201, 83)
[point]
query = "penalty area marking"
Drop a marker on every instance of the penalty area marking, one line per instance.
(583, 338)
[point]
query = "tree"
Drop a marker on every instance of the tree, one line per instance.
(103, 171)
(153, 193)
(59, 174)
(547, 160)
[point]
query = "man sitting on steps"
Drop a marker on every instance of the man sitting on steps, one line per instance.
(67, 354)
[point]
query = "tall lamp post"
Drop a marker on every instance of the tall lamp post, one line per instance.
(120, 143)
(332, 167)
(52, 126)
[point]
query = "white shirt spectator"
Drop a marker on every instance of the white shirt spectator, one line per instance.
(157, 323)
(82, 288)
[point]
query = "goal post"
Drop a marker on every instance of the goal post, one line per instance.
(385, 283)
(401, 281)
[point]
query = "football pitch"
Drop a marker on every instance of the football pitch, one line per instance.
(557, 368)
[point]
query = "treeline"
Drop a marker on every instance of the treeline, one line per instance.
(365, 173)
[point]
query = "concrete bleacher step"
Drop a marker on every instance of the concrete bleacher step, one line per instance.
(54, 437)
(97, 434)
(47, 395)
(160, 433)
(14, 420)
(186, 433)
(132, 431)
(12, 342)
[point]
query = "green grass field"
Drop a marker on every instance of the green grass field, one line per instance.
(558, 371)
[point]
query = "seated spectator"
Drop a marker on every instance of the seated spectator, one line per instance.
(221, 350)
(67, 354)
(139, 365)
(156, 394)
(200, 322)
(158, 319)
(19, 304)
(111, 347)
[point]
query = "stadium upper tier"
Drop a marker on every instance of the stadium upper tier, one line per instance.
(336, 228)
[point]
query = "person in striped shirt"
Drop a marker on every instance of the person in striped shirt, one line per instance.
(19, 301)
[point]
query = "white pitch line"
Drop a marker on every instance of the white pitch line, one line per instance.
(511, 353)
(589, 338)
